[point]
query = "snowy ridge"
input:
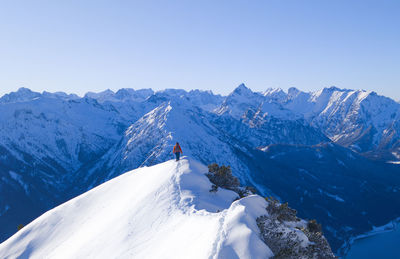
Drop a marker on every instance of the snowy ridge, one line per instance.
(164, 211)
(150, 140)
(122, 95)
(24, 94)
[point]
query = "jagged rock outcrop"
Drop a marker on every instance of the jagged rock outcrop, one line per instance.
(290, 237)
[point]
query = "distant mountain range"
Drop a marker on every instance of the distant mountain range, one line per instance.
(332, 154)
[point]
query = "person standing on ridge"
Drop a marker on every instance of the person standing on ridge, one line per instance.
(177, 151)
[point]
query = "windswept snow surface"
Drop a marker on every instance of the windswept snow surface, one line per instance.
(163, 211)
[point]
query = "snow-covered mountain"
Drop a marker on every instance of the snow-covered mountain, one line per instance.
(122, 95)
(25, 94)
(164, 211)
(206, 136)
(56, 146)
(43, 141)
(242, 99)
(359, 119)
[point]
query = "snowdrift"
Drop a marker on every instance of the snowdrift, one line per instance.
(163, 211)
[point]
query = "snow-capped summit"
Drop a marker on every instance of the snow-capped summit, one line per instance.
(206, 100)
(270, 103)
(293, 92)
(23, 94)
(101, 97)
(128, 94)
(172, 92)
(242, 89)
(275, 94)
(60, 95)
(164, 211)
(122, 95)
(357, 118)
(239, 101)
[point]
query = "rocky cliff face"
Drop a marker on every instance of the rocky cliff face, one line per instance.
(290, 237)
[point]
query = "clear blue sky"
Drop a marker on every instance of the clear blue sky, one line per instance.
(80, 46)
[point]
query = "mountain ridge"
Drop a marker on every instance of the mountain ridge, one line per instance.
(162, 211)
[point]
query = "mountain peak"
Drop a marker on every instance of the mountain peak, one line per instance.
(106, 95)
(23, 94)
(293, 90)
(108, 91)
(242, 89)
(242, 85)
(276, 94)
(293, 93)
(133, 95)
(60, 95)
(24, 90)
(336, 89)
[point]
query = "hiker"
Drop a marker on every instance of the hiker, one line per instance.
(177, 151)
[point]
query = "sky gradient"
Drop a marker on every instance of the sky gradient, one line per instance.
(81, 46)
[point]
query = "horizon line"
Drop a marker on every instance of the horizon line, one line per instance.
(187, 91)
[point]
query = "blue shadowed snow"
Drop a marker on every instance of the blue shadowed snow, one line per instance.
(384, 245)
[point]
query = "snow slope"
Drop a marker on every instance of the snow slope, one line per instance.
(164, 211)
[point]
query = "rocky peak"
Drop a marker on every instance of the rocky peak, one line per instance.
(242, 89)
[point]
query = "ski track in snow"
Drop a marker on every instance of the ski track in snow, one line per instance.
(222, 235)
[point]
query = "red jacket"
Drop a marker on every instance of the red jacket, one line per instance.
(177, 149)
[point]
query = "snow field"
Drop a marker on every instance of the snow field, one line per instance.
(164, 211)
